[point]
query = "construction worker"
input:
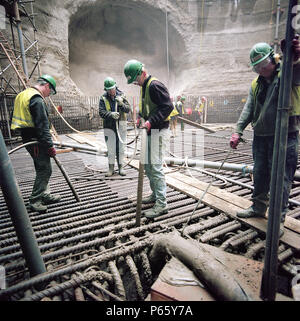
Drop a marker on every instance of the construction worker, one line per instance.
(173, 119)
(180, 108)
(155, 107)
(113, 107)
(30, 116)
(260, 109)
(200, 108)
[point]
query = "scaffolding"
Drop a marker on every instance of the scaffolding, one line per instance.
(16, 55)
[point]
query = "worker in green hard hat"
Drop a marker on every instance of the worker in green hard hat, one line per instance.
(155, 107)
(180, 108)
(30, 117)
(260, 110)
(113, 108)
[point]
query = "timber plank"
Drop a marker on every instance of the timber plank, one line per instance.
(90, 140)
(241, 202)
(292, 224)
(222, 194)
(260, 224)
(208, 199)
(219, 201)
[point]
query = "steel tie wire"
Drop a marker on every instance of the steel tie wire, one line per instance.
(205, 191)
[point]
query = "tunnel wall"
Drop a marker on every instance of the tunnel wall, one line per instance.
(208, 42)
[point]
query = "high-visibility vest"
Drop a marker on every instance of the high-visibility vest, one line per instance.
(21, 116)
(146, 105)
(200, 107)
(295, 96)
(174, 111)
(107, 106)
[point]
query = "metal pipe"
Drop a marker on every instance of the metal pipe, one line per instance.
(18, 213)
(18, 23)
(6, 116)
(180, 161)
(269, 277)
(277, 26)
(9, 65)
(208, 164)
(76, 146)
(167, 47)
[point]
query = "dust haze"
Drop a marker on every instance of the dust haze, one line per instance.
(208, 43)
(103, 39)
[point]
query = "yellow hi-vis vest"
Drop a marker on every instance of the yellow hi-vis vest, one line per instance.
(146, 105)
(174, 111)
(21, 116)
(107, 106)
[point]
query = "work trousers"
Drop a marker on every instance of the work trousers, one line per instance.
(43, 171)
(262, 150)
(115, 146)
(157, 143)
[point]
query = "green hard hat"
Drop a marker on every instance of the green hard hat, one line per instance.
(260, 52)
(132, 69)
(50, 80)
(182, 98)
(109, 83)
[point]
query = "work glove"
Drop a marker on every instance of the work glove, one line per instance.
(234, 140)
(138, 122)
(147, 125)
(115, 115)
(119, 100)
(51, 151)
(295, 46)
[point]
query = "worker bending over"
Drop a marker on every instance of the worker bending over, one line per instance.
(30, 116)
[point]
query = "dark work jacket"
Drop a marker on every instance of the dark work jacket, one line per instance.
(108, 121)
(41, 129)
(160, 96)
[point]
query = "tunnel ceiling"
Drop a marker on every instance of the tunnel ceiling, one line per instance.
(102, 37)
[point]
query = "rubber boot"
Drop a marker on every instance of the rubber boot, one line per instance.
(51, 199)
(121, 171)
(38, 207)
(110, 170)
(255, 210)
(156, 211)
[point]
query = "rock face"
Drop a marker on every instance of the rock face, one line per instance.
(194, 46)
